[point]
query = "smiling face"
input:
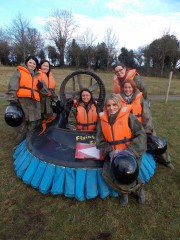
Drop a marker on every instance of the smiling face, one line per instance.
(120, 71)
(112, 107)
(31, 64)
(127, 89)
(45, 67)
(86, 97)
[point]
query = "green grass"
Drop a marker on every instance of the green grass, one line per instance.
(155, 85)
(27, 214)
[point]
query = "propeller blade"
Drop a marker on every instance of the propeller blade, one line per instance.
(73, 83)
(93, 87)
(80, 81)
(72, 93)
(90, 82)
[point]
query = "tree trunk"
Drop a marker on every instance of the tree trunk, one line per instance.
(162, 67)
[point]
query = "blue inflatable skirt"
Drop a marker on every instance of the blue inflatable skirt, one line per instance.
(79, 183)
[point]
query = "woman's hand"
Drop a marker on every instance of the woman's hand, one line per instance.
(39, 85)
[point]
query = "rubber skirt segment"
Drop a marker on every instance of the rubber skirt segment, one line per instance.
(81, 183)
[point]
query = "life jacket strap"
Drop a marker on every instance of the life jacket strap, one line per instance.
(123, 141)
(138, 115)
(86, 124)
(31, 89)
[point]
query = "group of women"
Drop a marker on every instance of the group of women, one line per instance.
(32, 88)
(121, 129)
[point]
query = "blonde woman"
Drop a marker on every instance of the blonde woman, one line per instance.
(119, 130)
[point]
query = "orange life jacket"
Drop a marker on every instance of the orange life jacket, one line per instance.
(136, 106)
(86, 120)
(27, 85)
(50, 82)
(130, 74)
(119, 134)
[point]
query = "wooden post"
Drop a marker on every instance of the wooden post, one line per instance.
(167, 94)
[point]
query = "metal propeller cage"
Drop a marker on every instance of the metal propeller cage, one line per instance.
(78, 80)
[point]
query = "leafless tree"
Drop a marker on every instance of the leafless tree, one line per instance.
(23, 39)
(17, 36)
(86, 41)
(35, 43)
(60, 29)
(4, 48)
(111, 42)
(87, 38)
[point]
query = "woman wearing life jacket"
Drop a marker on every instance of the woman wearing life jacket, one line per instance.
(48, 96)
(118, 130)
(122, 73)
(24, 91)
(84, 112)
(130, 95)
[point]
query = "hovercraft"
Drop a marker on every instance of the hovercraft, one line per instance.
(47, 161)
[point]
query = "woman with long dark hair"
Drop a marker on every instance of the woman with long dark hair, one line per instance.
(48, 97)
(24, 91)
(84, 112)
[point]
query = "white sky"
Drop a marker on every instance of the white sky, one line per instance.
(135, 23)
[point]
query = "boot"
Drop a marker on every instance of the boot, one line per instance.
(165, 159)
(170, 165)
(141, 196)
(123, 199)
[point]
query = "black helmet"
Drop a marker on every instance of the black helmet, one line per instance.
(125, 168)
(156, 145)
(13, 115)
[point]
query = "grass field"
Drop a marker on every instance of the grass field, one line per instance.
(27, 214)
(155, 85)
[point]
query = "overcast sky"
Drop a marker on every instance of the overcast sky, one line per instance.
(135, 22)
